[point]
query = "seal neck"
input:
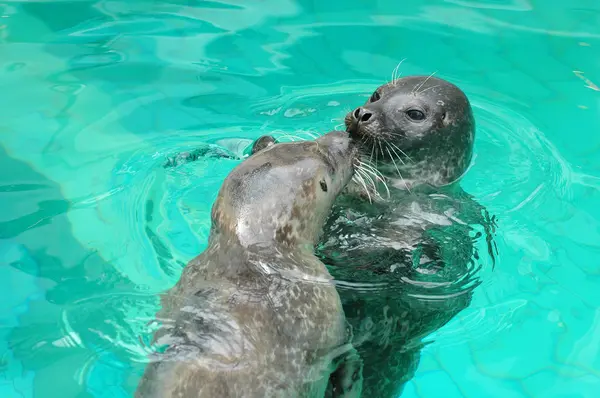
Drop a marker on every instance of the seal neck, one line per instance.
(424, 173)
(295, 262)
(437, 164)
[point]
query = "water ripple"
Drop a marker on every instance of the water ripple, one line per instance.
(99, 99)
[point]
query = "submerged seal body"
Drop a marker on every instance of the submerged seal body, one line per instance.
(256, 314)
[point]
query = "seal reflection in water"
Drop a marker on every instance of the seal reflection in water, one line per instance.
(412, 251)
(256, 314)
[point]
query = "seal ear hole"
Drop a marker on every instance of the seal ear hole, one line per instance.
(323, 185)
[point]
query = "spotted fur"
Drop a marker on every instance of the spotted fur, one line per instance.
(414, 246)
(256, 314)
(436, 150)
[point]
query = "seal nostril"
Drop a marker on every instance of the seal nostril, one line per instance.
(366, 116)
(357, 113)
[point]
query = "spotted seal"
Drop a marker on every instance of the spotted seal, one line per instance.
(416, 130)
(416, 244)
(256, 314)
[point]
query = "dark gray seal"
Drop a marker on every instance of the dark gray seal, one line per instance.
(417, 244)
(416, 130)
(256, 314)
(413, 242)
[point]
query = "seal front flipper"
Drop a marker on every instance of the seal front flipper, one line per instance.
(211, 151)
(427, 256)
(205, 151)
(261, 143)
(346, 380)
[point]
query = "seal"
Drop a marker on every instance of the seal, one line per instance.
(256, 314)
(416, 137)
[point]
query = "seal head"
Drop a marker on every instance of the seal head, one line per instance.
(283, 196)
(417, 129)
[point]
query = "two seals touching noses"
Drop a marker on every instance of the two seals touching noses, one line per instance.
(256, 314)
(415, 137)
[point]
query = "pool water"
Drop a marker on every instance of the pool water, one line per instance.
(97, 95)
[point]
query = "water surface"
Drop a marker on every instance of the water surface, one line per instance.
(96, 95)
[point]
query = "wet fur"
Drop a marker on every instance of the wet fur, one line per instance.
(422, 173)
(256, 314)
(421, 233)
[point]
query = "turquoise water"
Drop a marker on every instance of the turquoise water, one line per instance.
(95, 96)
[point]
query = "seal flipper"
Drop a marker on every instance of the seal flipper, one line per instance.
(204, 151)
(261, 143)
(428, 255)
(346, 380)
(211, 151)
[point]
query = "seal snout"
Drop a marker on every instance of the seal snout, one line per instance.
(361, 115)
(358, 118)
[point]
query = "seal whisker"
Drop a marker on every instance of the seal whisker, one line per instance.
(416, 89)
(362, 182)
(366, 178)
(381, 149)
(390, 147)
(429, 88)
(291, 137)
(393, 161)
(401, 151)
(370, 168)
(366, 168)
(395, 74)
(346, 110)
(366, 174)
(400, 175)
(372, 152)
(284, 134)
(312, 135)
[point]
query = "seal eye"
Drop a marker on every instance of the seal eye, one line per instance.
(375, 97)
(415, 114)
(323, 185)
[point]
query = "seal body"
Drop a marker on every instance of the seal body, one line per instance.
(416, 246)
(256, 314)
